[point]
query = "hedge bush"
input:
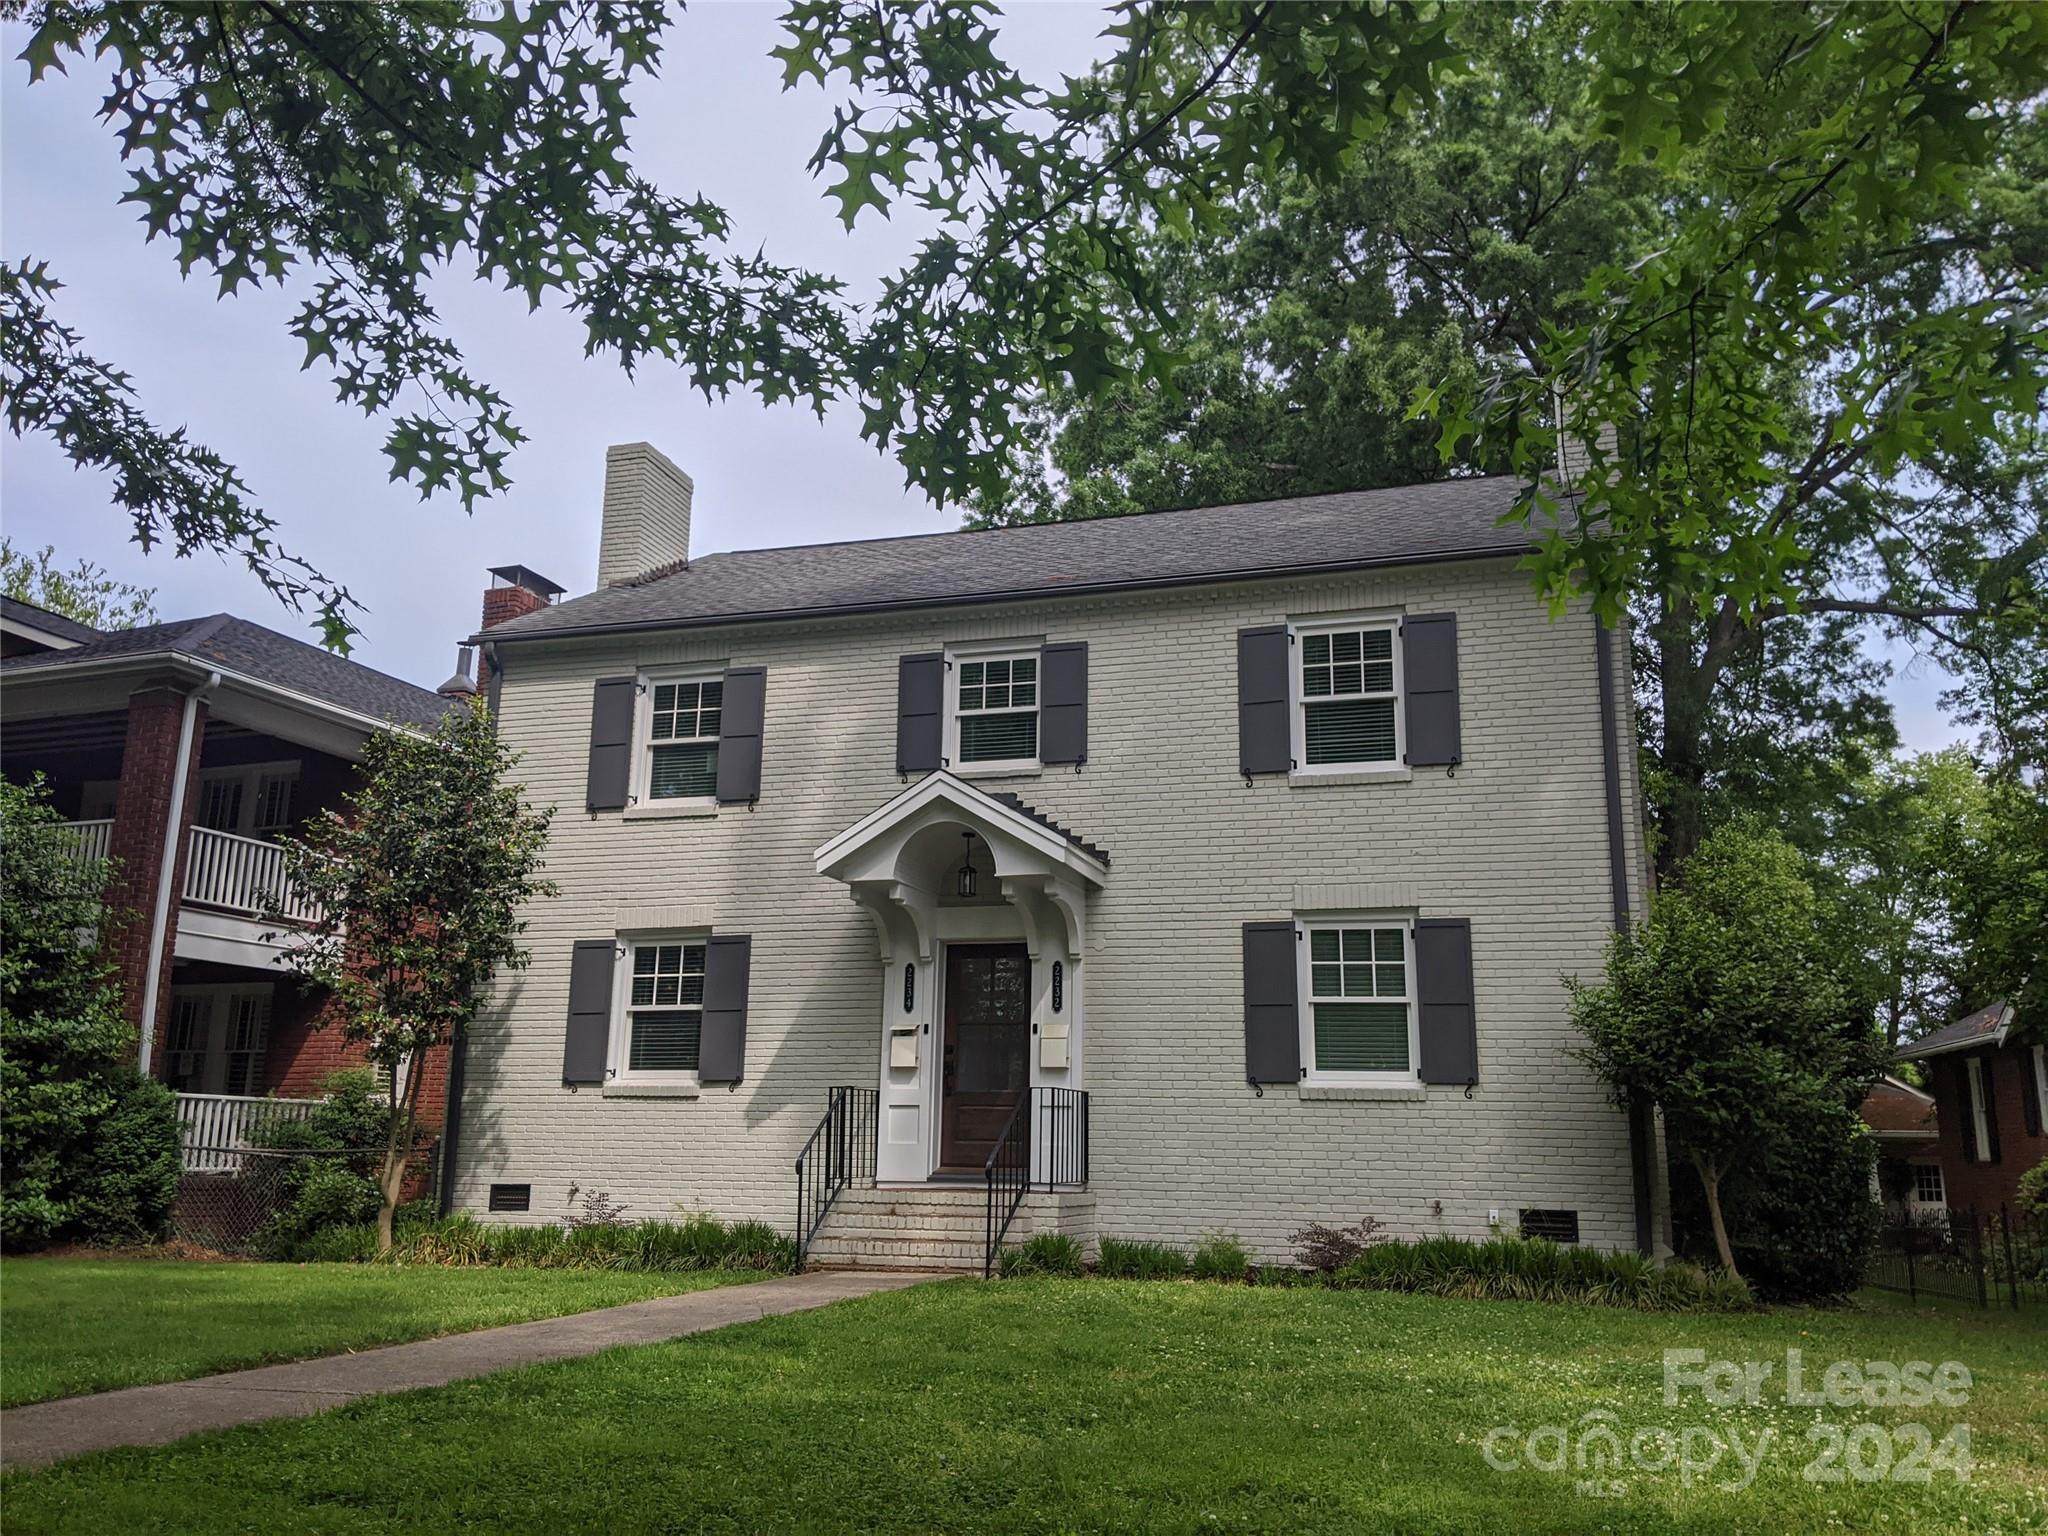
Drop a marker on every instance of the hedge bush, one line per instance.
(695, 1243)
(333, 1187)
(1531, 1269)
(1047, 1253)
(1220, 1256)
(1121, 1259)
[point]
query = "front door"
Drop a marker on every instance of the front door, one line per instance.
(987, 1051)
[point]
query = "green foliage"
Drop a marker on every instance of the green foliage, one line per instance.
(1220, 1256)
(2031, 1197)
(1530, 1269)
(1994, 880)
(85, 593)
(698, 1242)
(353, 1116)
(323, 1194)
(335, 1186)
(89, 1150)
(1122, 1259)
(1732, 1010)
(1043, 1253)
(421, 882)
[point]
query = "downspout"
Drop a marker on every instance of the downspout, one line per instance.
(174, 829)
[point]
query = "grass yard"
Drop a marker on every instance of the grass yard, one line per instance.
(86, 1325)
(1097, 1405)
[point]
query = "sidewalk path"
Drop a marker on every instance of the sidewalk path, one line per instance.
(39, 1433)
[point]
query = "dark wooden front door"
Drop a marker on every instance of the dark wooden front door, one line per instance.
(988, 1049)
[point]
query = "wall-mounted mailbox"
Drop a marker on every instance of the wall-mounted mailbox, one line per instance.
(1052, 1045)
(903, 1047)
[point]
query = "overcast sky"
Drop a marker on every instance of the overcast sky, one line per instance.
(715, 121)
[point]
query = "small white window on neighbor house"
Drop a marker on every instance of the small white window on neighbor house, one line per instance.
(1927, 1183)
(662, 1010)
(679, 756)
(995, 709)
(1980, 1122)
(1358, 1010)
(1347, 677)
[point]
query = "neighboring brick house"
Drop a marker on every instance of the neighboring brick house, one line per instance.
(1906, 1126)
(1269, 829)
(193, 744)
(1992, 1089)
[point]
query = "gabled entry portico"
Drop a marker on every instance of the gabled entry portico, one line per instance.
(1016, 931)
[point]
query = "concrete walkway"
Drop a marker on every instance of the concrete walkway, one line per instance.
(40, 1433)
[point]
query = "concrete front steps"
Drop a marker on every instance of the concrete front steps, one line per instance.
(927, 1226)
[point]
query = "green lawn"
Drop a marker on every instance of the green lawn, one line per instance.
(1095, 1405)
(70, 1326)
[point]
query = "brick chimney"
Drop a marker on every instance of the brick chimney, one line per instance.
(646, 514)
(514, 591)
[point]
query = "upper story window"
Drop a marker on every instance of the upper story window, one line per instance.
(995, 709)
(664, 1008)
(1358, 1002)
(679, 756)
(1347, 694)
(255, 799)
(1977, 1135)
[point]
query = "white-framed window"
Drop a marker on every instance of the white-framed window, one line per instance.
(2041, 1087)
(254, 799)
(217, 1037)
(992, 709)
(1980, 1117)
(679, 715)
(1347, 695)
(659, 1016)
(1357, 990)
(1927, 1188)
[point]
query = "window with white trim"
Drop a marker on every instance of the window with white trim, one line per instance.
(247, 1026)
(216, 1038)
(662, 1009)
(995, 709)
(1927, 1184)
(1357, 1001)
(185, 1041)
(1347, 695)
(2041, 1087)
(253, 799)
(679, 738)
(1980, 1120)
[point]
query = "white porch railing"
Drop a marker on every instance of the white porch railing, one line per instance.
(92, 838)
(242, 874)
(213, 1127)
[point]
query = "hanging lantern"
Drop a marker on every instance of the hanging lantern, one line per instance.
(967, 875)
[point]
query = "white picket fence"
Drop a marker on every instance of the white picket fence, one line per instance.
(213, 1127)
(242, 874)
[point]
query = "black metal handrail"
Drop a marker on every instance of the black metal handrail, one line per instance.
(1056, 1119)
(841, 1151)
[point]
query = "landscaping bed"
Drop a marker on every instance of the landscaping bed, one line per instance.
(1048, 1404)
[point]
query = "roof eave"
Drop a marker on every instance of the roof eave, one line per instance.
(1991, 1039)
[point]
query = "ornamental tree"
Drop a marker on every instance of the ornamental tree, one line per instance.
(1730, 1009)
(421, 881)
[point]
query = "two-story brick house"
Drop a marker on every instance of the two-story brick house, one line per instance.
(182, 751)
(1991, 1085)
(1215, 869)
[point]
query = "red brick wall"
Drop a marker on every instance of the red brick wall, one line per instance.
(1985, 1186)
(299, 1058)
(141, 817)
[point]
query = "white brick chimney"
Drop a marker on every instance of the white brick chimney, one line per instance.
(646, 513)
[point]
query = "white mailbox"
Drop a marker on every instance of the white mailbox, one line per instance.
(903, 1047)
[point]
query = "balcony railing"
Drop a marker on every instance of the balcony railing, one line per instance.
(92, 838)
(214, 1128)
(242, 874)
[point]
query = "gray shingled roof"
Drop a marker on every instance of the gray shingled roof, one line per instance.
(43, 619)
(225, 641)
(1444, 520)
(1986, 1024)
(1093, 850)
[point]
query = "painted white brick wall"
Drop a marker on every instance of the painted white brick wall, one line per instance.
(1516, 841)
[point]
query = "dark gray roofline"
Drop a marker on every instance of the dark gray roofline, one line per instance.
(1017, 594)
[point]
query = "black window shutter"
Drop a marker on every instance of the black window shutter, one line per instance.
(722, 1045)
(1990, 1112)
(1445, 1021)
(920, 711)
(1264, 740)
(2030, 1086)
(611, 742)
(1063, 702)
(739, 733)
(1272, 1019)
(587, 1042)
(1429, 675)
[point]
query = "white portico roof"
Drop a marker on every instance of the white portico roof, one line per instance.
(1021, 838)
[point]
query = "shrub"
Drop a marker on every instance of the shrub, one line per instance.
(1531, 1269)
(1321, 1249)
(1047, 1253)
(321, 1193)
(1124, 1260)
(1220, 1256)
(697, 1242)
(352, 1116)
(2032, 1197)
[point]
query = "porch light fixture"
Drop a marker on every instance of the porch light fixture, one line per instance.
(968, 878)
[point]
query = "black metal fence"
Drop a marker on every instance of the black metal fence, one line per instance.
(1044, 1144)
(1986, 1258)
(249, 1200)
(841, 1152)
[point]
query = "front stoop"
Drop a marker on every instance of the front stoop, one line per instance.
(927, 1227)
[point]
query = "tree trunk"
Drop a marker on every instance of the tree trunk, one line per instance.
(1710, 1178)
(397, 1152)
